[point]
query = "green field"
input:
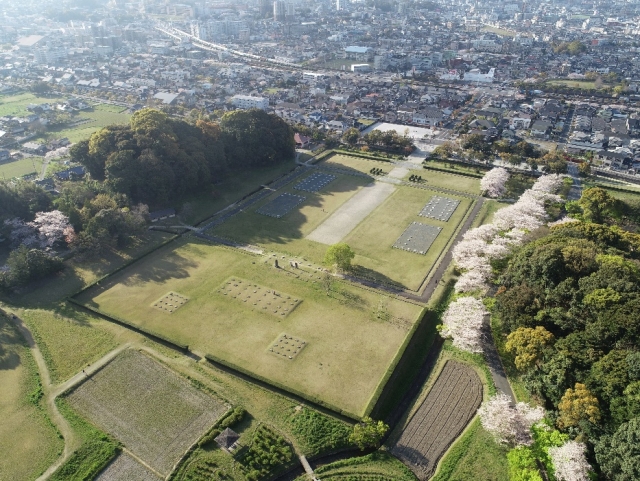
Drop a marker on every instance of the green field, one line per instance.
(20, 168)
(67, 344)
(352, 334)
(101, 116)
(28, 441)
(372, 239)
(358, 164)
(498, 31)
(16, 105)
(576, 84)
(475, 455)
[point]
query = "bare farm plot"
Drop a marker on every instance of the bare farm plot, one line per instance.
(450, 405)
(155, 413)
(126, 468)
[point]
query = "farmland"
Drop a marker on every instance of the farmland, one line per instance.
(99, 116)
(348, 349)
(152, 411)
(449, 406)
(125, 468)
(66, 344)
(20, 168)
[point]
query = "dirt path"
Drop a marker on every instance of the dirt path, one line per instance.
(51, 392)
(351, 213)
(58, 420)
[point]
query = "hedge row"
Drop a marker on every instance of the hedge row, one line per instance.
(363, 155)
(118, 320)
(232, 417)
(279, 387)
(451, 171)
(394, 364)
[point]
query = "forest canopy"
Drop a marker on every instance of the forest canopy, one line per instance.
(157, 158)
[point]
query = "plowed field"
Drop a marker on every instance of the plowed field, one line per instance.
(449, 406)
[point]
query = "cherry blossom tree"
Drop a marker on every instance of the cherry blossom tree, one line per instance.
(462, 322)
(494, 182)
(569, 462)
(473, 280)
(507, 423)
(22, 232)
(549, 183)
(51, 226)
(46, 230)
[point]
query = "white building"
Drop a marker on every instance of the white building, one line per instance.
(249, 102)
(360, 67)
(474, 75)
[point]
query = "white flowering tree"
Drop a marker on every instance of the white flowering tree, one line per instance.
(507, 423)
(494, 182)
(569, 462)
(549, 183)
(462, 322)
(52, 226)
(46, 230)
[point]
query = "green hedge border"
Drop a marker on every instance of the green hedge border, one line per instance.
(373, 400)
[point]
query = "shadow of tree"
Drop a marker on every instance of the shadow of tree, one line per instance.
(254, 228)
(9, 340)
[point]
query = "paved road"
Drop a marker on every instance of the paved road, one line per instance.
(576, 189)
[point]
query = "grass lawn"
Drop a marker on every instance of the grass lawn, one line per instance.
(499, 31)
(101, 116)
(77, 274)
(98, 118)
(287, 234)
(28, 441)
(116, 109)
(577, 84)
(341, 161)
(475, 455)
(372, 240)
(487, 211)
(20, 168)
(67, 344)
(233, 188)
(349, 347)
(16, 105)
(336, 64)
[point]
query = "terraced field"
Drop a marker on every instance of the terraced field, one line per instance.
(449, 406)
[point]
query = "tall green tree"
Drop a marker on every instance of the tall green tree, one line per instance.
(339, 255)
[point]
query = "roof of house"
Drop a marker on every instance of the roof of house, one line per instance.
(355, 49)
(158, 214)
(227, 438)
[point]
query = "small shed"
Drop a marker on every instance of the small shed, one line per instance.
(162, 214)
(227, 439)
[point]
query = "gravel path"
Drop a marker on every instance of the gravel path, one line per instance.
(351, 213)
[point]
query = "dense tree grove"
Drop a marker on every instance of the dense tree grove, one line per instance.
(569, 302)
(156, 158)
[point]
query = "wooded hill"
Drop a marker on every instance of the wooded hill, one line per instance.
(156, 159)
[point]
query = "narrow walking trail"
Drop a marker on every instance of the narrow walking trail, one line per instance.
(52, 391)
(58, 420)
